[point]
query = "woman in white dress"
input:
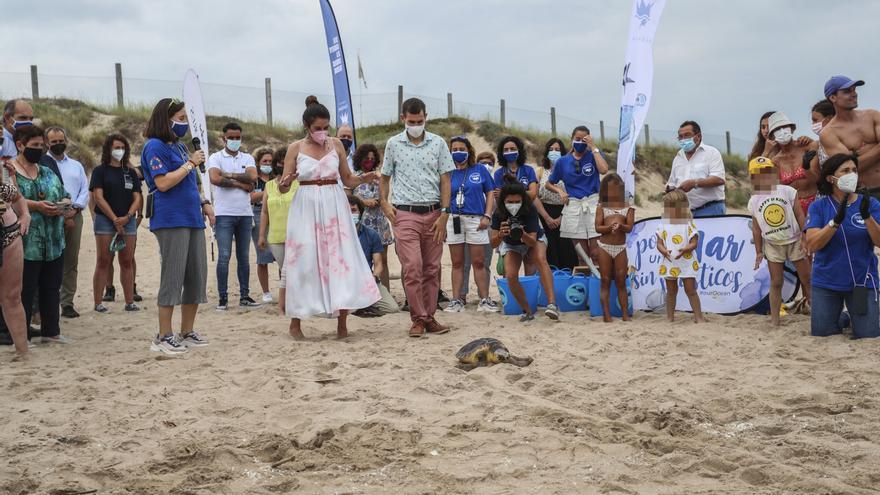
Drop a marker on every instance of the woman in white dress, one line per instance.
(327, 272)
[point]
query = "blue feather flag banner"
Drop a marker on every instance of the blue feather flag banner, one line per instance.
(638, 80)
(337, 66)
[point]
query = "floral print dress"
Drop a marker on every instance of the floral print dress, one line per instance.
(373, 217)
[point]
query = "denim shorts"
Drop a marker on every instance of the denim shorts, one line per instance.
(104, 226)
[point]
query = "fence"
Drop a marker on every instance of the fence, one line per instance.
(284, 107)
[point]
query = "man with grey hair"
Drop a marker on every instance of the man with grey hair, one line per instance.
(73, 175)
(16, 113)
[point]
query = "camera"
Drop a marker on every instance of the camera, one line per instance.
(516, 228)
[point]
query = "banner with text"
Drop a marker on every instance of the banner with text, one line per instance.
(195, 114)
(638, 78)
(727, 280)
(337, 67)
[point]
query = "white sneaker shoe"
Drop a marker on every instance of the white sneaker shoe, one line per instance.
(455, 306)
(58, 339)
(167, 345)
(267, 297)
(192, 339)
(488, 306)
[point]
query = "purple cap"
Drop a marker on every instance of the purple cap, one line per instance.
(840, 82)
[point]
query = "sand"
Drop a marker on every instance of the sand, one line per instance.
(728, 407)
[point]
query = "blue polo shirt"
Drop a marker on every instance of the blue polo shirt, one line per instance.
(179, 206)
(371, 243)
(581, 177)
(474, 183)
(831, 266)
(524, 174)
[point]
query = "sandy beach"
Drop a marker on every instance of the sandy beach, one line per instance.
(732, 406)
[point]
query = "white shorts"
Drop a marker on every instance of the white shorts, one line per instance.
(470, 231)
(579, 218)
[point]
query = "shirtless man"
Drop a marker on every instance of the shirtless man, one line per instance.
(853, 131)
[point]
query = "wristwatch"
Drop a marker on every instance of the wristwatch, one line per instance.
(188, 167)
(444, 210)
(833, 224)
(595, 150)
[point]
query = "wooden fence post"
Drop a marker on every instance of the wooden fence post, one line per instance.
(269, 101)
(502, 113)
(647, 135)
(120, 101)
(553, 120)
(399, 103)
(35, 84)
(602, 130)
(449, 104)
(727, 138)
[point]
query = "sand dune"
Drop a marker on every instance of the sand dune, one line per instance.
(727, 407)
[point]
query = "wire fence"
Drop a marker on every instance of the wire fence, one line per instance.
(285, 106)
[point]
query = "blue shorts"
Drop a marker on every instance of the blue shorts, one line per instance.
(103, 226)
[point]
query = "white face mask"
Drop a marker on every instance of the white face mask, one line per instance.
(848, 182)
(117, 154)
(356, 217)
(513, 208)
(415, 131)
(782, 136)
(817, 127)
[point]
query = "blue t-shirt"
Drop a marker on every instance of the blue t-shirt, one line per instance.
(831, 267)
(581, 177)
(524, 174)
(474, 183)
(371, 243)
(529, 221)
(179, 206)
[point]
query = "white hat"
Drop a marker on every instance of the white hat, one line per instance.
(777, 120)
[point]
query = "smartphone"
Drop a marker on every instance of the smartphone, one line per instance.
(456, 225)
(860, 296)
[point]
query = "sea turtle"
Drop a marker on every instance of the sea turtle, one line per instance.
(486, 352)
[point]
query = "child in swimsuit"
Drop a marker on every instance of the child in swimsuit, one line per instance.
(677, 238)
(614, 219)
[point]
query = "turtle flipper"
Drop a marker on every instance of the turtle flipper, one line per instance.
(467, 366)
(518, 361)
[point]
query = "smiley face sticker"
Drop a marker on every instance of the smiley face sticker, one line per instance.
(774, 215)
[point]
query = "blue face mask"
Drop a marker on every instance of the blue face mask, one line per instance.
(511, 156)
(687, 145)
(21, 123)
(579, 146)
(554, 155)
(179, 128)
(232, 144)
(460, 156)
(266, 169)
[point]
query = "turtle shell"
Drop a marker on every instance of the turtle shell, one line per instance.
(485, 349)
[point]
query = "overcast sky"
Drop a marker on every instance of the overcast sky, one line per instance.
(719, 62)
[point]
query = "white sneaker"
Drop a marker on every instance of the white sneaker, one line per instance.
(192, 339)
(455, 306)
(58, 339)
(167, 345)
(267, 297)
(488, 306)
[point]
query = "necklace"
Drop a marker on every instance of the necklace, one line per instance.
(23, 171)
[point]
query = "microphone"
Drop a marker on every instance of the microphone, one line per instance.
(197, 144)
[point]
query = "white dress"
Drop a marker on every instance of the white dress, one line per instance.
(677, 236)
(326, 267)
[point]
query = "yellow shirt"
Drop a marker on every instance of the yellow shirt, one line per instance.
(278, 207)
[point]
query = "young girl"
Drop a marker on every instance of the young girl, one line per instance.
(614, 219)
(777, 221)
(677, 237)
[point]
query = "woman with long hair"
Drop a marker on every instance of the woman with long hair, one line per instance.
(763, 145)
(560, 253)
(265, 172)
(323, 256)
(367, 159)
(15, 219)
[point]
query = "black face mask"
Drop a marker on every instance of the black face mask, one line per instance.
(32, 155)
(58, 149)
(346, 143)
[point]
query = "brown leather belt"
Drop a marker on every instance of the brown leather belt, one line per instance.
(320, 182)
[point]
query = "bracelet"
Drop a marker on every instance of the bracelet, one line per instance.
(487, 217)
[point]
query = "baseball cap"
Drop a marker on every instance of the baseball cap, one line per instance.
(759, 163)
(840, 82)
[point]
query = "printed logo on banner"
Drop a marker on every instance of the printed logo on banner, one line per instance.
(725, 258)
(643, 12)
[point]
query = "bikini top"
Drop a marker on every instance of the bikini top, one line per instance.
(787, 178)
(611, 211)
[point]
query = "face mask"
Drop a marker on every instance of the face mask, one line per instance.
(554, 155)
(511, 156)
(460, 156)
(346, 143)
(279, 171)
(22, 123)
(356, 217)
(265, 169)
(687, 145)
(58, 149)
(847, 182)
(513, 208)
(415, 131)
(817, 128)
(179, 128)
(118, 154)
(579, 146)
(32, 155)
(368, 165)
(233, 144)
(318, 136)
(782, 136)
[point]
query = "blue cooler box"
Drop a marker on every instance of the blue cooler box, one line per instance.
(596, 304)
(531, 285)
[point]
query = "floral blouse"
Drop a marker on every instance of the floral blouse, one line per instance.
(45, 238)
